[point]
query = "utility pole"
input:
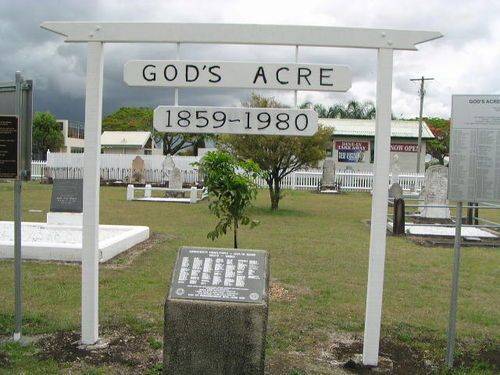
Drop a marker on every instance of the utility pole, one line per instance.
(422, 93)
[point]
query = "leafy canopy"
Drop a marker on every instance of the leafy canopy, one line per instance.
(277, 156)
(232, 188)
(439, 147)
(46, 134)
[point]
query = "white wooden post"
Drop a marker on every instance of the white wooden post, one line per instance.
(193, 195)
(130, 192)
(375, 286)
(147, 191)
(92, 151)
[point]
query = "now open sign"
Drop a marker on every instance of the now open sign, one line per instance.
(175, 73)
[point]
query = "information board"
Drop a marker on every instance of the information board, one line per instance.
(234, 120)
(474, 173)
(220, 275)
(9, 156)
(226, 74)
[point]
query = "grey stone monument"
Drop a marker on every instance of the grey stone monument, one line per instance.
(435, 193)
(174, 173)
(137, 170)
(216, 312)
(395, 170)
(395, 191)
(328, 177)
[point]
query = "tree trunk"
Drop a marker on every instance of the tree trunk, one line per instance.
(235, 233)
(274, 192)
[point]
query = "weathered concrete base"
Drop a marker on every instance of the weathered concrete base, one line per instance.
(214, 338)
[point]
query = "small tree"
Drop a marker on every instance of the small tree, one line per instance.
(278, 156)
(232, 188)
(439, 147)
(46, 135)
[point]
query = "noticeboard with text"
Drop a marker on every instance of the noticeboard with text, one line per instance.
(474, 174)
(9, 156)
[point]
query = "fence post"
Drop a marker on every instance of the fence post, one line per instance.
(193, 195)
(130, 192)
(147, 191)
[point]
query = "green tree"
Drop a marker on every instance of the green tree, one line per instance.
(277, 156)
(232, 188)
(351, 110)
(46, 134)
(439, 147)
(141, 119)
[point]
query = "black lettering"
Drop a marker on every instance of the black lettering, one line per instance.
(192, 79)
(172, 68)
(321, 76)
(278, 75)
(217, 76)
(305, 76)
(260, 73)
(151, 74)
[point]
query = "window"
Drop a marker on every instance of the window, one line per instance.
(372, 152)
(76, 130)
(77, 150)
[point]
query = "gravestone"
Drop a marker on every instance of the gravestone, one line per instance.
(138, 170)
(175, 179)
(66, 205)
(435, 193)
(395, 191)
(328, 184)
(216, 312)
(398, 225)
(395, 170)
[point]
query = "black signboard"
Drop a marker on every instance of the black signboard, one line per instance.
(67, 196)
(220, 275)
(9, 133)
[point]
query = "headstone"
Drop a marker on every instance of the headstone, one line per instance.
(435, 193)
(175, 179)
(216, 312)
(398, 225)
(138, 170)
(328, 177)
(66, 204)
(395, 170)
(67, 196)
(395, 191)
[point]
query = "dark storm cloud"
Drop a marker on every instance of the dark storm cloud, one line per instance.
(463, 61)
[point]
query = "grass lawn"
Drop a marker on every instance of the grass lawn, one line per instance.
(319, 254)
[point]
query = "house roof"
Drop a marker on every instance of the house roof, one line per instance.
(353, 127)
(124, 139)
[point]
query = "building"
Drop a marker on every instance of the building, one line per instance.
(129, 142)
(73, 133)
(353, 145)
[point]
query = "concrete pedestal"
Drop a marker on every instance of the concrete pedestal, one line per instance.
(216, 337)
(65, 218)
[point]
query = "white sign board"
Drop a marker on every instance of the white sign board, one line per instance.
(175, 73)
(233, 120)
(475, 148)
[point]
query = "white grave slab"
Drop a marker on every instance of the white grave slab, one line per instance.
(41, 241)
(430, 230)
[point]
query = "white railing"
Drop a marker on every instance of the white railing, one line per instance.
(114, 168)
(38, 169)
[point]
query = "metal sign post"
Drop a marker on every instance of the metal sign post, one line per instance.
(17, 98)
(385, 41)
(452, 322)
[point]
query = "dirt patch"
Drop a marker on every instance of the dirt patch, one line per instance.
(126, 258)
(126, 352)
(4, 360)
(283, 292)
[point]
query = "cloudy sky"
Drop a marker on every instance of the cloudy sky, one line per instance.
(465, 60)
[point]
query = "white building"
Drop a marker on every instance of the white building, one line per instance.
(73, 133)
(353, 143)
(129, 142)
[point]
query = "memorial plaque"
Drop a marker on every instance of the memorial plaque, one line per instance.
(67, 196)
(9, 131)
(220, 275)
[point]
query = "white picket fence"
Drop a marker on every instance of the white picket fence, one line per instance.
(118, 168)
